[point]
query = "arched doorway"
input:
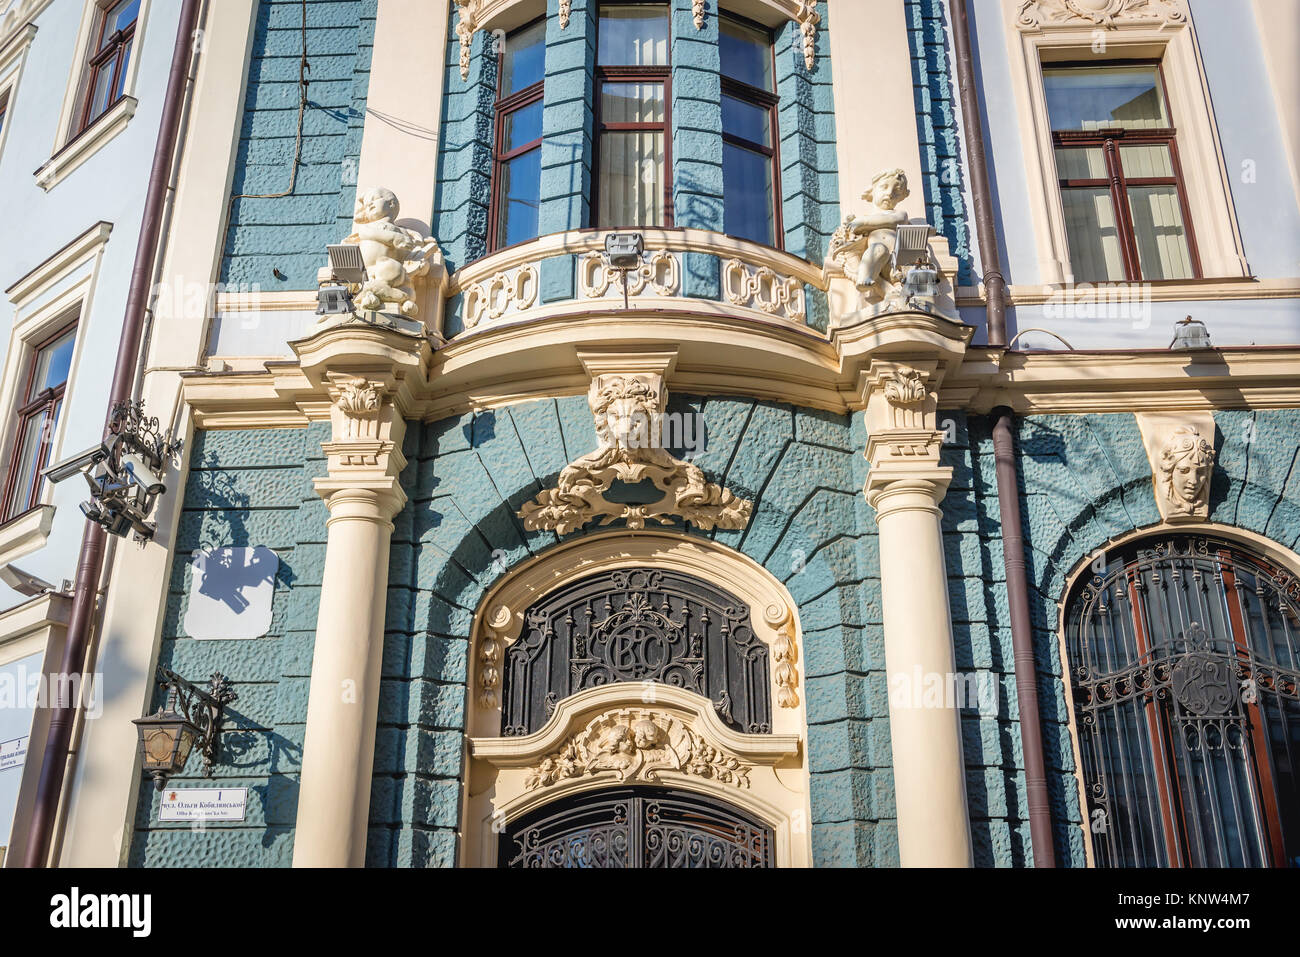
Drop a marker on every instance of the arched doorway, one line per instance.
(637, 827)
(1184, 656)
(637, 705)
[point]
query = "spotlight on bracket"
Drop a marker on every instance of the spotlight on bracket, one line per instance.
(347, 271)
(1190, 334)
(912, 259)
(623, 252)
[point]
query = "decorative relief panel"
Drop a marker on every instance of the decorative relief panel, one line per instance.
(509, 291)
(764, 289)
(661, 273)
(1045, 14)
(636, 744)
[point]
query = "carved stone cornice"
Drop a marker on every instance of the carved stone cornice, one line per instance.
(1091, 14)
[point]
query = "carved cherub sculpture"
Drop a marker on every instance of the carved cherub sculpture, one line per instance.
(1185, 465)
(864, 245)
(394, 256)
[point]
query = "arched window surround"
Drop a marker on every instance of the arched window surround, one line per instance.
(501, 782)
(1250, 543)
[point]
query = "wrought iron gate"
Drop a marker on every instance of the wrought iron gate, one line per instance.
(1185, 660)
(637, 625)
(637, 827)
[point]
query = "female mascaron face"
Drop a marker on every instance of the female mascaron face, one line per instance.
(1188, 479)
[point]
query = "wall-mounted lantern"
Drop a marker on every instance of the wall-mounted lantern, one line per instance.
(190, 719)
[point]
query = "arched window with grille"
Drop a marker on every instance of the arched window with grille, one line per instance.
(1184, 656)
(638, 704)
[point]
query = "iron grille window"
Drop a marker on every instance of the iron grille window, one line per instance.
(637, 625)
(517, 177)
(751, 167)
(1185, 665)
(637, 827)
(40, 403)
(107, 60)
(1126, 212)
(633, 117)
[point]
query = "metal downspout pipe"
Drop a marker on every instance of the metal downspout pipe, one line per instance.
(1013, 542)
(90, 562)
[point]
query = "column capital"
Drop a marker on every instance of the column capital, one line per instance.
(907, 488)
(901, 401)
(360, 499)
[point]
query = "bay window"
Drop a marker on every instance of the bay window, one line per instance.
(1126, 213)
(633, 117)
(39, 403)
(750, 166)
(517, 176)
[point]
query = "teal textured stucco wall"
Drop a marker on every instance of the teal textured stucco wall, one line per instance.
(246, 488)
(935, 90)
(459, 534)
(289, 233)
(1086, 480)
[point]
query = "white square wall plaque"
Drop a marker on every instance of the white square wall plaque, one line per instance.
(203, 804)
(231, 590)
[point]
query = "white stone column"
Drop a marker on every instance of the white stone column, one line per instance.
(362, 494)
(905, 486)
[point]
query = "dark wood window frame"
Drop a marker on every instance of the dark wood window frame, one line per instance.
(106, 53)
(770, 101)
(500, 155)
(1109, 140)
(635, 74)
(42, 403)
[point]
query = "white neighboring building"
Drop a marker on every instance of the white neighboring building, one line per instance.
(81, 93)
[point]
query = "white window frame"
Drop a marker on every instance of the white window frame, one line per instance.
(1041, 32)
(71, 148)
(45, 300)
(13, 57)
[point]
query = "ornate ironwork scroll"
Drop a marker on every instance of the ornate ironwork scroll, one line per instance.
(1186, 662)
(637, 625)
(637, 827)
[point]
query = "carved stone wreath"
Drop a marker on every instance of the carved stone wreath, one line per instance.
(635, 744)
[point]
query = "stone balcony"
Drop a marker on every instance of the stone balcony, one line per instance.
(741, 318)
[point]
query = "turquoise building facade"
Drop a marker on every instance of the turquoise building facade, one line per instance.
(811, 397)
